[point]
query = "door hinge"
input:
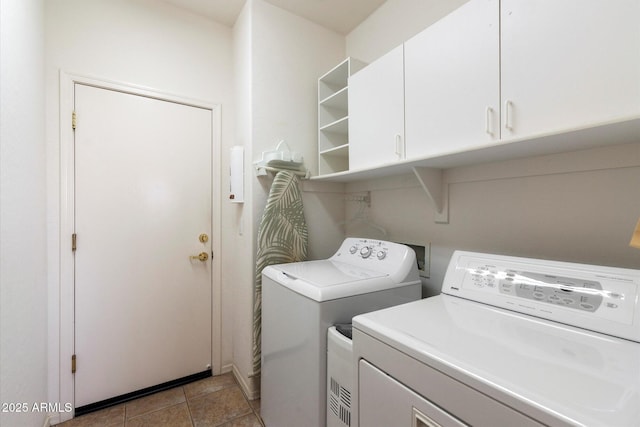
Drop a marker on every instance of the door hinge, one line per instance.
(74, 120)
(74, 241)
(73, 364)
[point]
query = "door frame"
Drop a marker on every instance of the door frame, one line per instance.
(65, 329)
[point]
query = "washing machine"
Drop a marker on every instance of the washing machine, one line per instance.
(300, 301)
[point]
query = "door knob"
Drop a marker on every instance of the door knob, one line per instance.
(202, 256)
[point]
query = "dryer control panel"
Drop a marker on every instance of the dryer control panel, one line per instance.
(598, 298)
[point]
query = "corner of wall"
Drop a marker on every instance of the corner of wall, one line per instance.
(23, 265)
(276, 99)
(250, 386)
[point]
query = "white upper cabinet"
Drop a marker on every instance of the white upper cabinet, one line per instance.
(376, 112)
(452, 82)
(499, 79)
(568, 64)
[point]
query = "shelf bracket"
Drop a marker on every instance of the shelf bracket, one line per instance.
(437, 190)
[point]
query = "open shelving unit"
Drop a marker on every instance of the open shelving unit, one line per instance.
(333, 117)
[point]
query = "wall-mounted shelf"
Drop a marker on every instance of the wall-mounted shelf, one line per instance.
(340, 151)
(340, 126)
(333, 117)
(336, 100)
(428, 170)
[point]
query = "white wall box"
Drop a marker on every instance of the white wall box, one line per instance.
(236, 170)
(333, 117)
(376, 112)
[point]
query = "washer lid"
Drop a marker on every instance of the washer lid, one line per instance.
(325, 280)
(325, 273)
(544, 369)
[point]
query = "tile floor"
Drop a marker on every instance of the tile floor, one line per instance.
(214, 401)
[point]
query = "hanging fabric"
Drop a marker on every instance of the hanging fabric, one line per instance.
(282, 238)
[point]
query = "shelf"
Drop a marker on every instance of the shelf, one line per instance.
(341, 151)
(340, 126)
(333, 108)
(338, 75)
(429, 170)
(624, 131)
(338, 100)
(334, 80)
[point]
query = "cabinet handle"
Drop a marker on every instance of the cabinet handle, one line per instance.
(488, 116)
(399, 148)
(508, 105)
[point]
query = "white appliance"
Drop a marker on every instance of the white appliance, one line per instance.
(300, 301)
(510, 341)
(339, 376)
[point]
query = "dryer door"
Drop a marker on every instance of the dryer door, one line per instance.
(406, 408)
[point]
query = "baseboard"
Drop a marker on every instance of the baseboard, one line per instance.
(250, 389)
(51, 419)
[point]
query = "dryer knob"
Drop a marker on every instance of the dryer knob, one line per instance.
(381, 255)
(365, 252)
(353, 249)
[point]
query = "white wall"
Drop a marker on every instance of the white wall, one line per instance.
(579, 207)
(240, 273)
(138, 42)
(289, 54)
(278, 100)
(23, 290)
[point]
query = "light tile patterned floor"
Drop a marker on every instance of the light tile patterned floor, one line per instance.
(214, 401)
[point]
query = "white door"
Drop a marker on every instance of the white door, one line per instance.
(143, 186)
(452, 82)
(376, 112)
(568, 64)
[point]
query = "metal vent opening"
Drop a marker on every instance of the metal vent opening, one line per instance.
(340, 402)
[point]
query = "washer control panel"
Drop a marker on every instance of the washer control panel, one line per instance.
(374, 249)
(378, 255)
(599, 298)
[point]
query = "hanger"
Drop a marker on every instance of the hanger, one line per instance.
(361, 215)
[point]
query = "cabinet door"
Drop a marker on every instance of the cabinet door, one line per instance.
(568, 64)
(376, 112)
(452, 82)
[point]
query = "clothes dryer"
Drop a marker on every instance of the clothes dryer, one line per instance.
(510, 342)
(300, 301)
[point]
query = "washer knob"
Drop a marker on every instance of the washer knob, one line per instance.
(382, 255)
(353, 249)
(365, 252)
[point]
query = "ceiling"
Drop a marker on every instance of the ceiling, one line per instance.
(341, 16)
